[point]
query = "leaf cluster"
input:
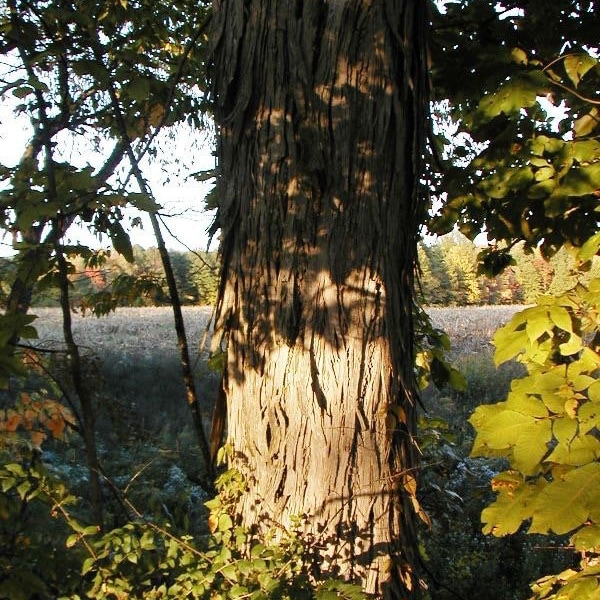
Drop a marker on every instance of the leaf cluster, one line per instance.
(62, 60)
(144, 559)
(547, 430)
(518, 176)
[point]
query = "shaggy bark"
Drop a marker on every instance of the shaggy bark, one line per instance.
(321, 108)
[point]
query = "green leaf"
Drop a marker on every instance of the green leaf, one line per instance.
(544, 173)
(586, 151)
(519, 56)
(542, 189)
(225, 523)
(121, 241)
(139, 89)
(520, 92)
(577, 65)
(23, 488)
(23, 91)
(586, 123)
(87, 565)
(8, 483)
(590, 248)
(143, 202)
(216, 362)
(581, 181)
(257, 550)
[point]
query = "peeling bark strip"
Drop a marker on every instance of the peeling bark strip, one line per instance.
(321, 107)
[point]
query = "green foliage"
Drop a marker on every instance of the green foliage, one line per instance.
(525, 180)
(122, 290)
(101, 280)
(151, 555)
(523, 176)
(434, 282)
(32, 561)
(460, 258)
(204, 276)
(430, 358)
(145, 560)
(454, 489)
(12, 327)
(61, 58)
(454, 271)
(546, 429)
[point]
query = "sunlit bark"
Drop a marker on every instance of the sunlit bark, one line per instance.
(320, 110)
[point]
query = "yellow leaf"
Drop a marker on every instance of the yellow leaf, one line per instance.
(587, 123)
(564, 430)
(572, 346)
(571, 406)
(519, 56)
(566, 502)
(561, 318)
(213, 523)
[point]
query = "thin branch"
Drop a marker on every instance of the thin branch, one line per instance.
(176, 77)
(564, 87)
(570, 90)
(188, 379)
(81, 389)
(194, 252)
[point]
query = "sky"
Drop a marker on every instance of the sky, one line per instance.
(175, 190)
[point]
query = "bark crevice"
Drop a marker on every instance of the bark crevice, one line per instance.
(318, 106)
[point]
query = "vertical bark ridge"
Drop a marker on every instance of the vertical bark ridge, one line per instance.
(318, 105)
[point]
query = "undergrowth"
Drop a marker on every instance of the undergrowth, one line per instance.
(161, 539)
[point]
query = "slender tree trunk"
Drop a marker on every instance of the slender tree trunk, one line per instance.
(321, 108)
(82, 390)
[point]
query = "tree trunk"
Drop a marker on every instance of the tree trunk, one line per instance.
(321, 107)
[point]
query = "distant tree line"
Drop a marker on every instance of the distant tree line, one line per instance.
(449, 274)
(448, 277)
(106, 279)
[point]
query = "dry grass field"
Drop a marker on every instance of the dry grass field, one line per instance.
(149, 330)
(471, 328)
(134, 361)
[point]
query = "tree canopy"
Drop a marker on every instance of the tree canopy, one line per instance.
(527, 170)
(527, 167)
